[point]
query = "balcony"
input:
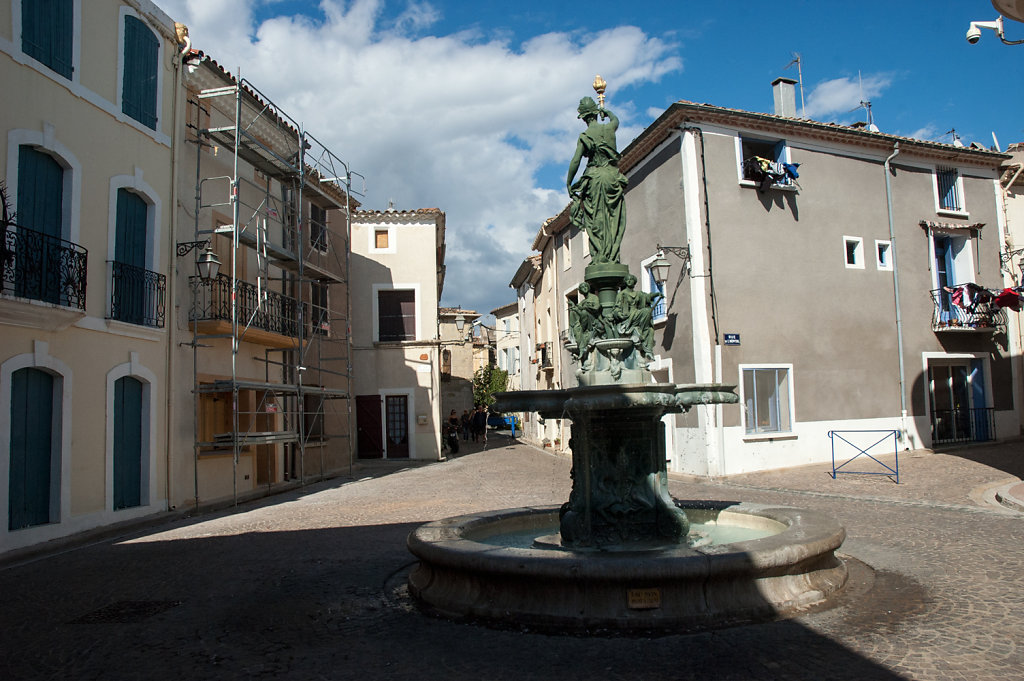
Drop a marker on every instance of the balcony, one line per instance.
(47, 273)
(274, 321)
(137, 295)
(967, 308)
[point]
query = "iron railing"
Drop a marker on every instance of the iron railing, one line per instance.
(137, 295)
(980, 315)
(276, 313)
(963, 425)
(43, 267)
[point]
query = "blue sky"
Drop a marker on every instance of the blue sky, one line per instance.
(470, 106)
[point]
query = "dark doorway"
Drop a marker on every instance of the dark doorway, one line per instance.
(368, 427)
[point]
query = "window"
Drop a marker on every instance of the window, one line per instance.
(952, 265)
(650, 285)
(321, 309)
(949, 188)
(853, 248)
(47, 33)
(380, 238)
(767, 399)
(883, 255)
(765, 163)
(508, 326)
(566, 248)
(396, 315)
(446, 365)
(318, 228)
(139, 80)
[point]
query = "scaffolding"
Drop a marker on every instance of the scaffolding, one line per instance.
(280, 188)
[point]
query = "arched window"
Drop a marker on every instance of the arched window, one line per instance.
(128, 442)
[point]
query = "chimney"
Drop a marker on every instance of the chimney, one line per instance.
(785, 97)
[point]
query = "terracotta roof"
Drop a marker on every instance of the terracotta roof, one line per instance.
(391, 211)
(683, 111)
(508, 307)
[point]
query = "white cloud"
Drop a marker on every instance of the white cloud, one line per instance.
(837, 97)
(447, 121)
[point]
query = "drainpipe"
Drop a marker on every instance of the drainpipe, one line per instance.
(896, 295)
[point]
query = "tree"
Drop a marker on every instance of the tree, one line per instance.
(488, 380)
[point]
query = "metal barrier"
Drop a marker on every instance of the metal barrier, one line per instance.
(890, 472)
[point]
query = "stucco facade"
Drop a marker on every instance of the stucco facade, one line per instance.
(792, 282)
(85, 267)
(396, 349)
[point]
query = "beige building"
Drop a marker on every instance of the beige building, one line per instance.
(396, 346)
(263, 344)
(455, 328)
(506, 338)
(89, 128)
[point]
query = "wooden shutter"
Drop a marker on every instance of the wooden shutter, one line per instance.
(31, 453)
(130, 240)
(138, 85)
(47, 33)
(127, 442)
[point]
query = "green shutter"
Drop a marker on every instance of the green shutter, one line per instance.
(127, 443)
(40, 208)
(130, 241)
(31, 449)
(47, 33)
(141, 60)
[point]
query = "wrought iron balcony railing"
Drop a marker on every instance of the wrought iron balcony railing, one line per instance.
(211, 300)
(137, 296)
(963, 425)
(976, 314)
(43, 267)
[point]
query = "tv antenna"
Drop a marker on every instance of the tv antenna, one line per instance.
(800, 78)
(865, 104)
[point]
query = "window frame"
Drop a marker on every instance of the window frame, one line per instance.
(883, 264)
(377, 289)
(648, 284)
(957, 187)
(392, 247)
(756, 432)
(858, 253)
(319, 241)
(780, 154)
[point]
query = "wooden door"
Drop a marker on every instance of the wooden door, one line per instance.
(368, 427)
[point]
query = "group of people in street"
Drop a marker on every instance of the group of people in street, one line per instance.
(472, 424)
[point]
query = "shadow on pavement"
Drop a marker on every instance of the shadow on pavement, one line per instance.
(177, 603)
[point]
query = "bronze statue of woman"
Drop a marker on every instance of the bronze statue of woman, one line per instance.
(598, 196)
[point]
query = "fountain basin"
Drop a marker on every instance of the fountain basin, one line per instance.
(464, 573)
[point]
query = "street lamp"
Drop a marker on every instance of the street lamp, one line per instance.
(460, 322)
(207, 265)
(660, 267)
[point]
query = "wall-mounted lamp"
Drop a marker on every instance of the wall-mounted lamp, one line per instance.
(207, 263)
(660, 267)
(460, 322)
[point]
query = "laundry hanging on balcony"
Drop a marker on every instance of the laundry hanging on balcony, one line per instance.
(969, 296)
(767, 172)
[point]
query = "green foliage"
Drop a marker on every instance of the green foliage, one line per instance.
(487, 381)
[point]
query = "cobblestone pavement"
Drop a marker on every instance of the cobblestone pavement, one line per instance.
(309, 585)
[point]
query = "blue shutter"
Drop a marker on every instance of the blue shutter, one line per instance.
(130, 241)
(138, 85)
(127, 443)
(47, 33)
(40, 208)
(31, 448)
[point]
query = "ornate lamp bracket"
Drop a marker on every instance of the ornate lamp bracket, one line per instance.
(185, 247)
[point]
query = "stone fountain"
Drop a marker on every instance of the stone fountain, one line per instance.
(621, 553)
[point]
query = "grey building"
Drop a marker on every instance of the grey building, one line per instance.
(823, 269)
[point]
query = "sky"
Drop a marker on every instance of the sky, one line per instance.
(470, 107)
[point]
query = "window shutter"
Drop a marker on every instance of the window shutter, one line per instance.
(130, 244)
(138, 85)
(47, 33)
(40, 192)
